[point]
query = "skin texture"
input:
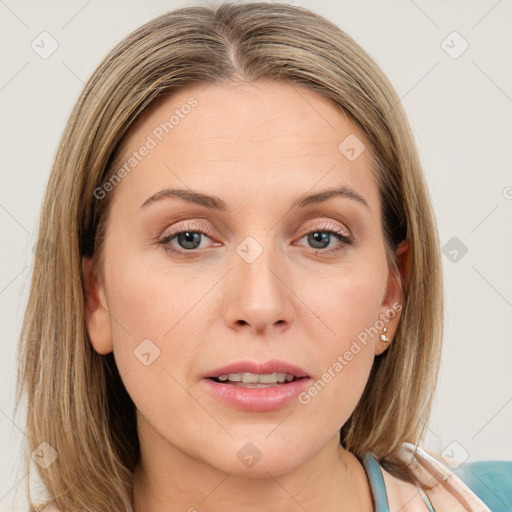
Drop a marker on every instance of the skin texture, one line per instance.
(258, 147)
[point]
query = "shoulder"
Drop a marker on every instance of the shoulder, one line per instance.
(402, 496)
(453, 492)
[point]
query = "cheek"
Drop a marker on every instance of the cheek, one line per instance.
(349, 305)
(151, 302)
(153, 322)
(344, 353)
(154, 316)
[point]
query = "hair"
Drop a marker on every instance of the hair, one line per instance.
(77, 402)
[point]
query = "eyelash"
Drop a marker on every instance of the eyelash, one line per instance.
(337, 233)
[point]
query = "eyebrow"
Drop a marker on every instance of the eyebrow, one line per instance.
(215, 203)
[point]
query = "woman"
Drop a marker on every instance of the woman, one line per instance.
(229, 308)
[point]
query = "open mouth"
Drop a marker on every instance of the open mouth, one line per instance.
(257, 387)
(255, 380)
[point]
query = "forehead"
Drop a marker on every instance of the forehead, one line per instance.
(264, 109)
(273, 136)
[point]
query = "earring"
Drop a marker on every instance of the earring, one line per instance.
(383, 337)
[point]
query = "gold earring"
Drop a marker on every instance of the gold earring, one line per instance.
(383, 337)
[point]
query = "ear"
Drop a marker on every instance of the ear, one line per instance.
(96, 310)
(392, 304)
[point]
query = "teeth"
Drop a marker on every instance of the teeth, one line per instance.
(255, 378)
(252, 378)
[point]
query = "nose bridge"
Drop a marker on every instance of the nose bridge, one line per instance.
(257, 296)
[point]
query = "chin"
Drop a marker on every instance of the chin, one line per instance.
(257, 458)
(264, 468)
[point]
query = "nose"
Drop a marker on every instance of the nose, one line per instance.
(258, 296)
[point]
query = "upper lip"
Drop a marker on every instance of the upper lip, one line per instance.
(273, 366)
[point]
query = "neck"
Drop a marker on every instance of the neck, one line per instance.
(168, 480)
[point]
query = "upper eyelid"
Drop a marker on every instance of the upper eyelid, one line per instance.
(183, 225)
(327, 224)
(190, 226)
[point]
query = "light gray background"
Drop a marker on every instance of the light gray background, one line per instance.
(459, 109)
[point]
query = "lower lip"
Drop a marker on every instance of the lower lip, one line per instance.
(257, 399)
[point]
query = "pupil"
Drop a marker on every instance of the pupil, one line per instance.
(320, 237)
(189, 239)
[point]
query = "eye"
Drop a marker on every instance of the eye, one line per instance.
(320, 239)
(188, 239)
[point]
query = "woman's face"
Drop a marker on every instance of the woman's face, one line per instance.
(240, 272)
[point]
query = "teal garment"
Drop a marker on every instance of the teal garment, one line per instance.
(378, 486)
(491, 481)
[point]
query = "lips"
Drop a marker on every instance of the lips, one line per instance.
(256, 397)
